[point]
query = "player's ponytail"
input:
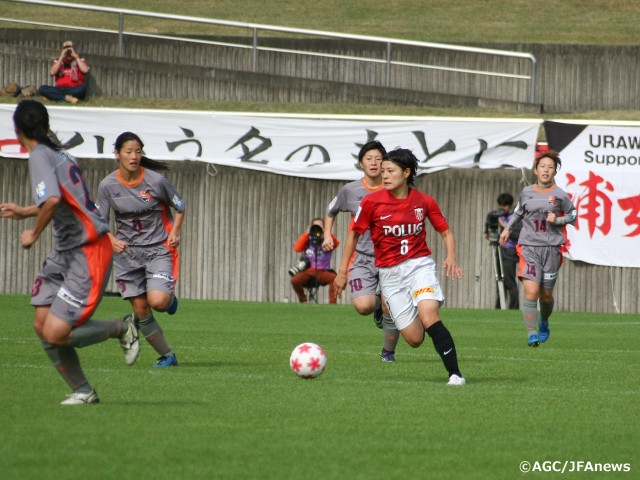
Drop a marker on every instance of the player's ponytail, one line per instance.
(32, 121)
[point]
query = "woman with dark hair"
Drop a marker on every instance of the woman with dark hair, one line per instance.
(69, 287)
(396, 218)
(545, 210)
(362, 277)
(147, 237)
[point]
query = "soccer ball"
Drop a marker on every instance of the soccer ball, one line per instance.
(308, 360)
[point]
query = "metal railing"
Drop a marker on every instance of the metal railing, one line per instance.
(388, 43)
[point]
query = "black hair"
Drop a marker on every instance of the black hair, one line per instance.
(31, 118)
(505, 199)
(404, 158)
(372, 145)
(144, 161)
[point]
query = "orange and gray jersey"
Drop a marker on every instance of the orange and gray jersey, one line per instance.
(348, 200)
(533, 208)
(57, 174)
(142, 209)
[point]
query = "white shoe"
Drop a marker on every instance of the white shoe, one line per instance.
(129, 341)
(79, 398)
(456, 381)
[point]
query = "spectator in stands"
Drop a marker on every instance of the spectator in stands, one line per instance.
(69, 71)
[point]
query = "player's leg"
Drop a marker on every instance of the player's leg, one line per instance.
(153, 332)
(402, 310)
(65, 294)
(530, 310)
(162, 275)
(426, 293)
(552, 262)
(149, 284)
(530, 273)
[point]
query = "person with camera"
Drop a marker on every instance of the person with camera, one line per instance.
(363, 274)
(315, 262)
(495, 223)
(69, 71)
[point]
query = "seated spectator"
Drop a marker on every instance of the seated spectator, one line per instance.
(315, 262)
(69, 71)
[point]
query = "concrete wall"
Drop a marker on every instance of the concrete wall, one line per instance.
(568, 77)
(240, 228)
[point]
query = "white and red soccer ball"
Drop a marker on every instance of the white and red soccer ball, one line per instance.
(308, 360)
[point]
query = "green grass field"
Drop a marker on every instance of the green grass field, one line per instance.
(233, 408)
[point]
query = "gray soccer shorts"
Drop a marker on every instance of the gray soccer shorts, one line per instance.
(140, 269)
(72, 281)
(539, 264)
(363, 275)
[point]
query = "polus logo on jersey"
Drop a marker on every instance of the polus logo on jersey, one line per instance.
(552, 200)
(419, 211)
(402, 230)
(145, 196)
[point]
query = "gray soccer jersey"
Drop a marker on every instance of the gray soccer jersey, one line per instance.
(56, 174)
(348, 200)
(142, 212)
(533, 207)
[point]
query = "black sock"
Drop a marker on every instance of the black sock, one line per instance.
(445, 347)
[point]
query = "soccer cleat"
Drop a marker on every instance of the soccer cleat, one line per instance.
(387, 356)
(130, 342)
(456, 380)
(79, 398)
(167, 361)
(543, 331)
(173, 308)
(377, 312)
(533, 341)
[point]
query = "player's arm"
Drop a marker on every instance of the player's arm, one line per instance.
(46, 211)
(349, 247)
(450, 265)
(17, 212)
(327, 242)
(504, 235)
(174, 237)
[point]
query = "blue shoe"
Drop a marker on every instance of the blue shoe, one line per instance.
(167, 361)
(533, 341)
(173, 308)
(387, 356)
(543, 331)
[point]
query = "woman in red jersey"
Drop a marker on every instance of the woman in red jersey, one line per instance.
(396, 217)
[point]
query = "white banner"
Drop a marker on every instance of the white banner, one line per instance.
(601, 172)
(298, 145)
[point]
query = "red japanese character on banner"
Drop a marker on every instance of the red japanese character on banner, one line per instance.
(594, 202)
(633, 204)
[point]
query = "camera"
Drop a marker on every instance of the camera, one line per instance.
(316, 235)
(300, 266)
(492, 225)
(69, 51)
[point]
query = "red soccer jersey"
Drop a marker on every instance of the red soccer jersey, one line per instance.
(398, 225)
